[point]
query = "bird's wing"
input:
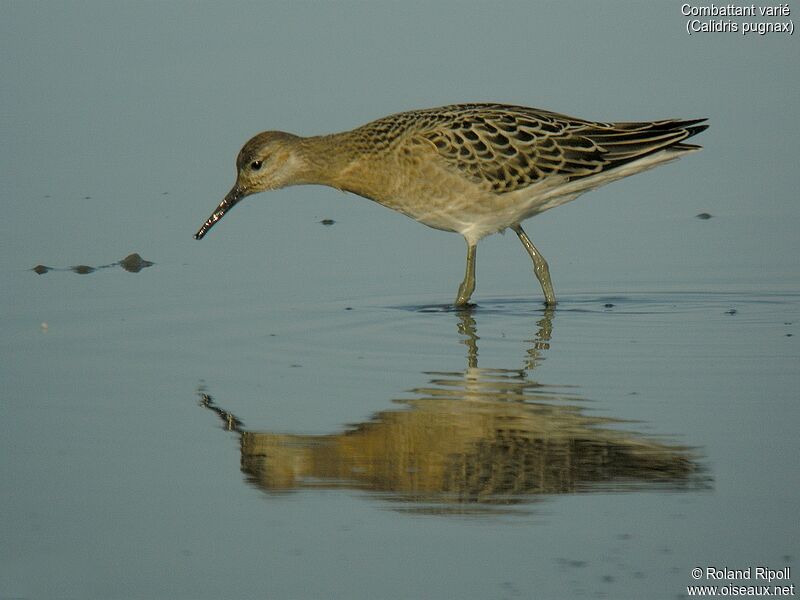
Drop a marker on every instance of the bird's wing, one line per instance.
(510, 148)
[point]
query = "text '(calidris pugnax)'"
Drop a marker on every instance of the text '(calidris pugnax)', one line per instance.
(474, 169)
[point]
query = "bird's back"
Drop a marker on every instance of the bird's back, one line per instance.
(512, 147)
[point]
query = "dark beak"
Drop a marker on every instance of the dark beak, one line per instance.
(236, 194)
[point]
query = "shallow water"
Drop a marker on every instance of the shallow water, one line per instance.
(291, 409)
(594, 448)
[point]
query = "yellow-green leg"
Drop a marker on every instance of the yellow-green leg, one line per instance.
(540, 267)
(468, 285)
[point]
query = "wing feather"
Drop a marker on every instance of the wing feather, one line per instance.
(510, 147)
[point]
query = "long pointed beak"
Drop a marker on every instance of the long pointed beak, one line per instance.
(236, 194)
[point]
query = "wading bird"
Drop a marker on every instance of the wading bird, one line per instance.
(473, 169)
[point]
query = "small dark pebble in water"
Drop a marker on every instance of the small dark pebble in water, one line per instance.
(732, 311)
(789, 335)
(40, 269)
(133, 263)
(608, 305)
(349, 308)
(327, 221)
(82, 269)
(703, 216)
(87, 197)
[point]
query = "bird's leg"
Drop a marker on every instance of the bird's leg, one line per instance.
(468, 285)
(539, 265)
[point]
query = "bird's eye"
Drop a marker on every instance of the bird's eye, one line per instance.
(256, 165)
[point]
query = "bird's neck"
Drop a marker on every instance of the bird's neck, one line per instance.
(332, 160)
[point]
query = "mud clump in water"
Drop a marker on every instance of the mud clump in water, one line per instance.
(133, 263)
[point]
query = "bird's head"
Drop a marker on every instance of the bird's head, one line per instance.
(268, 161)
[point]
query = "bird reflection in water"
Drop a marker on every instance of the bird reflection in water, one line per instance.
(482, 439)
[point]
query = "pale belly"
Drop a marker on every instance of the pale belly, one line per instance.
(465, 208)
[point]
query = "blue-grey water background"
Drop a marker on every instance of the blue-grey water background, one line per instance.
(120, 123)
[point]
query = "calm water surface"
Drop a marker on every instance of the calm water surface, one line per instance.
(594, 449)
(289, 409)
